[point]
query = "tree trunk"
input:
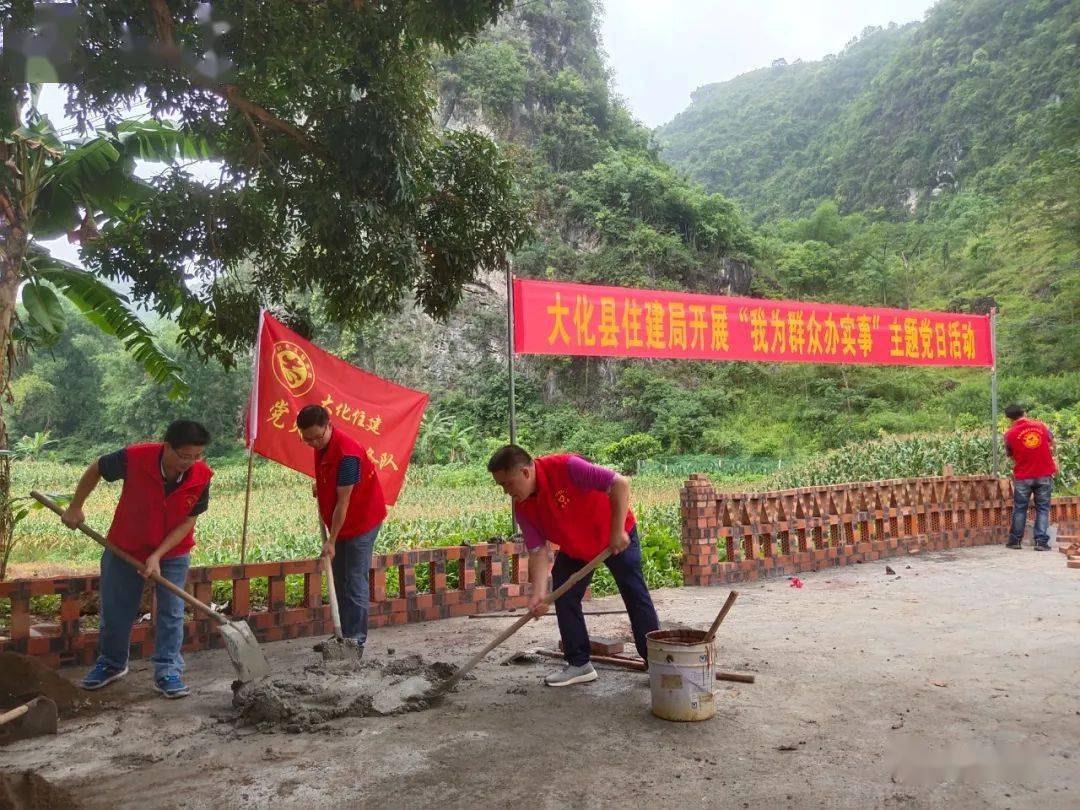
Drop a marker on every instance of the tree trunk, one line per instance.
(12, 251)
(13, 242)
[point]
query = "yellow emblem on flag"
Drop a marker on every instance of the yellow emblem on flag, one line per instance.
(293, 368)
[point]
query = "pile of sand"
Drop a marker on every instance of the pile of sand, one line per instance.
(23, 678)
(29, 791)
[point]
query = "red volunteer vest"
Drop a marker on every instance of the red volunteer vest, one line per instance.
(367, 505)
(144, 515)
(577, 520)
(1029, 442)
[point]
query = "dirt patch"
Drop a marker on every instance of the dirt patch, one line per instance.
(23, 678)
(303, 701)
(29, 791)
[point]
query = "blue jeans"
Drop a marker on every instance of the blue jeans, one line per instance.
(352, 567)
(1023, 489)
(625, 567)
(121, 591)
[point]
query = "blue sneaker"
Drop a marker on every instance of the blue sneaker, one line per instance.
(171, 686)
(102, 675)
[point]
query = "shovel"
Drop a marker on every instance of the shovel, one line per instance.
(240, 641)
(337, 647)
(443, 687)
(29, 720)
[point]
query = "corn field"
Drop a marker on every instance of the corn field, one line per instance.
(458, 504)
(969, 453)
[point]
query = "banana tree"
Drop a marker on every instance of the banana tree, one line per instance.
(50, 187)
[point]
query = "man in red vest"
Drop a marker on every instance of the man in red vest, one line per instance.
(352, 507)
(1030, 444)
(166, 487)
(583, 509)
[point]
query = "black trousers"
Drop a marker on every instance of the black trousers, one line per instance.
(626, 569)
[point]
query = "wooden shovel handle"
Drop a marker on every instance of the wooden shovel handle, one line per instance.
(49, 503)
(15, 713)
(505, 634)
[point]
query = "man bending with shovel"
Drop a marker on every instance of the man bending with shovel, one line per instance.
(582, 508)
(166, 487)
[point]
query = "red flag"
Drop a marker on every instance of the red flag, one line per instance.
(291, 372)
(582, 319)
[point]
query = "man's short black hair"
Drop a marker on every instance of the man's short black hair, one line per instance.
(509, 457)
(1015, 411)
(184, 432)
(312, 416)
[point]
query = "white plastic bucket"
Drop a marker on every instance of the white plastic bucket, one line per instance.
(681, 675)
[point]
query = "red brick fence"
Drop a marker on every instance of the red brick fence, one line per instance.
(745, 536)
(488, 577)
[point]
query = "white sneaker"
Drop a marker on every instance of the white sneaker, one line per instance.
(570, 675)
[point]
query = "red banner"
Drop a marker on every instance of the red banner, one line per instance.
(291, 372)
(582, 319)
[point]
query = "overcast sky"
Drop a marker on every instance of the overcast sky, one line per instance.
(661, 50)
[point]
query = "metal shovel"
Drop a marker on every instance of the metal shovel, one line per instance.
(240, 641)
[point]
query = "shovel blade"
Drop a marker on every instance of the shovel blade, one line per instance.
(244, 650)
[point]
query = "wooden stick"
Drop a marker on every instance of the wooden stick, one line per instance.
(331, 589)
(546, 615)
(14, 714)
(247, 504)
(734, 676)
(720, 616)
(638, 665)
(44, 500)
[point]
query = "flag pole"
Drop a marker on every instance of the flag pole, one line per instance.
(252, 430)
(510, 370)
(247, 504)
(510, 349)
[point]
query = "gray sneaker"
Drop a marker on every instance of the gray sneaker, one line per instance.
(570, 675)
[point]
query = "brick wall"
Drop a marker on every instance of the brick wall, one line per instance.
(745, 536)
(490, 577)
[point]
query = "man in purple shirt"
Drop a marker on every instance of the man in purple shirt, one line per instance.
(583, 509)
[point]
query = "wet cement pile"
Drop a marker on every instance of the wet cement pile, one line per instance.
(304, 700)
(28, 791)
(340, 649)
(23, 678)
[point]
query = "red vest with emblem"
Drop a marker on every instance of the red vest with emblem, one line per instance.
(367, 505)
(1029, 442)
(577, 520)
(144, 515)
